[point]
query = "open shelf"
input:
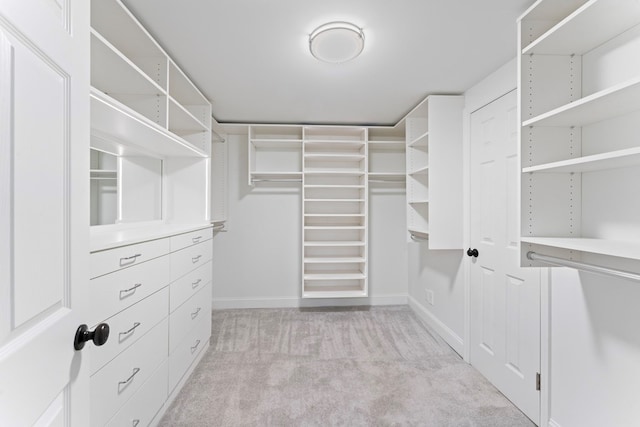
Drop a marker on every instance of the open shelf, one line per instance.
(333, 291)
(334, 243)
(335, 276)
(338, 157)
(123, 128)
(615, 101)
(422, 171)
(182, 121)
(610, 160)
(421, 140)
(575, 34)
(334, 260)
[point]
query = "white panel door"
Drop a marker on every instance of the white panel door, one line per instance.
(44, 133)
(505, 299)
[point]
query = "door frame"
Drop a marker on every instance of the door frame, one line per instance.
(496, 85)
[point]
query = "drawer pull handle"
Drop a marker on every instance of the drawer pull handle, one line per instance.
(196, 239)
(129, 291)
(129, 260)
(195, 284)
(195, 313)
(195, 347)
(196, 259)
(133, 328)
(128, 380)
(135, 423)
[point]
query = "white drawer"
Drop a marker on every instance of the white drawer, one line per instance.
(129, 326)
(181, 241)
(114, 292)
(145, 404)
(115, 383)
(183, 288)
(188, 259)
(187, 350)
(104, 262)
(188, 314)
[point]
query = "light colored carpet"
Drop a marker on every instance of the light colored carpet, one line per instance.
(377, 366)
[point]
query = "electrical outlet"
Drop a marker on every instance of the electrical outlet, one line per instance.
(429, 295)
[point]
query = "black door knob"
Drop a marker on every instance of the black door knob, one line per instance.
(472, 252)
(99, 335)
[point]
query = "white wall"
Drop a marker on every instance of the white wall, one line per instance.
(257, 262)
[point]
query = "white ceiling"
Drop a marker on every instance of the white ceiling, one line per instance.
(251, 57)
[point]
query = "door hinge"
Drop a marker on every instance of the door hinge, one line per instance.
(537, 381)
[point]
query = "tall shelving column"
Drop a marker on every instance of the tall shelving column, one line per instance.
(335, 195)
(579, 87)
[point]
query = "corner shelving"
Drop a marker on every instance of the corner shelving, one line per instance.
(274, 154)
(434, 172)
(334, 229)
(387, 160)
(579, 87)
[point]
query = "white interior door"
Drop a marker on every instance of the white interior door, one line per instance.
(44, 134)
(505, 299)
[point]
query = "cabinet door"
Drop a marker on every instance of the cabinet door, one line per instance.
(44, 217)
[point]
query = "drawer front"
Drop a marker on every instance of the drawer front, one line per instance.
(188, 259)
(114, 292)
(119, 380)
(145, 404)
(186, 286)
(104, 262)
(188, 315)
(182, 241)
(187, 350)
(128, 326)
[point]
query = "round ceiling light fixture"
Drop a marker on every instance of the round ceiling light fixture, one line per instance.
(336, 42)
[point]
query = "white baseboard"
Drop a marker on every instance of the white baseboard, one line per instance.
(443, 330)
(294, 302)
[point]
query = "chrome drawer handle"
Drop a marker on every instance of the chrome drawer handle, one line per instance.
(196, 259)
(128, 380)
(129, 291)
(196, 239)
(195, 284)
(130, 259)
(133, 328)
(195, 313)
(135, 423)
(195, 347)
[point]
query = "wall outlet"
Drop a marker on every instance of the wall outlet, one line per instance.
(429, 296)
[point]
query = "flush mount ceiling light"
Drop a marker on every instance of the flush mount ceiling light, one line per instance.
(336, 42)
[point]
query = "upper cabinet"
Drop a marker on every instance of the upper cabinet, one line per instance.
(579, 88)
(141, 102)
(434, 171)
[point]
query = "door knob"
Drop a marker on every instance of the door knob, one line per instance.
(473, 252)
(99, 335)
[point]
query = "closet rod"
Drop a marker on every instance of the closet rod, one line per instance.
(277, 180)
(582, 266)
(417, 238)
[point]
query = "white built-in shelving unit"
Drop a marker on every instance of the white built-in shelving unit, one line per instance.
(387, 160)
(334, 198)
(579, 110)
(434, 171)
(275, 153)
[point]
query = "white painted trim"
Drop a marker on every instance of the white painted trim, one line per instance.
(545, 347)
(294, 302)
(443, 330)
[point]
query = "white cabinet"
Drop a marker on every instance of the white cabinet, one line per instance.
(579, 113)
(434, 171)
(154, 291)
(334, 197)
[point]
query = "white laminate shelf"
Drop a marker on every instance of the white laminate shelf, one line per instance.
(334, 260)
(335, 243)
(421, 140)
(624, 249)
(615, 101)
(337, 157)
(335, 276)
(333, 144)
(275, 143)
(334, 227)
(334, 292)
(275, 175)
(115, 122)
(329, 215)
(421, 171)
(334, 200)
(390, 176)
(418, 202)
(576, 35)
(334, 173)
(611, 160)
(182, 120)
(113, 72)
(387, 145)
(333, 187)
(181, 88)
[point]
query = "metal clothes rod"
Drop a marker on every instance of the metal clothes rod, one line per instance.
(582, 266)
(277, 180)
(417, 238)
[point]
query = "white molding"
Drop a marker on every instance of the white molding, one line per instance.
(443, 330)
(295, 302)
(545, 346)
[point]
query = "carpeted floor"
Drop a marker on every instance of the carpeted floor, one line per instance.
(373, 366)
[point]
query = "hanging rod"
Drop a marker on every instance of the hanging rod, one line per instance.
(533, 256)
(417, 238)
(277, 180)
